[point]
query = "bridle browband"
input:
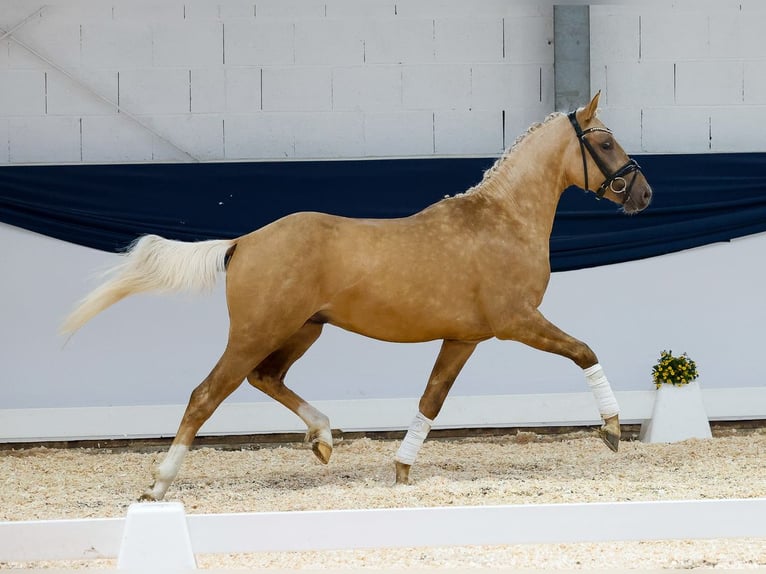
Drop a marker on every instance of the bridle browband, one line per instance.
(618, 177)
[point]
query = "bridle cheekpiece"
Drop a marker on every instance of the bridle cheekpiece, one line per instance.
(614, 181)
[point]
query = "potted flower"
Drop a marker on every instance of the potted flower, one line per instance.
(671, 370)
(679, 411)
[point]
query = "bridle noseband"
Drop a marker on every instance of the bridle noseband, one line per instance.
(614, 181)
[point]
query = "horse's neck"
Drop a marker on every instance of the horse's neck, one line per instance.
(527, 189)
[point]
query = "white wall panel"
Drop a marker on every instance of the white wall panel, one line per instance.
(750, 36)
(187, 44)
(116, 45)
(268, 136)
(56, 39)
(4, 151)
(678, 35)
(257, 43)
(44, 140)
(78, 11)
(244, 9)
(195, 10)
(614, 35)
(460, 132)
(329, 135)
(547, 87)
(725, 39)
(427, 8)
(637, 84)
(5, 48)
(732, 129)
(297, 89)
(199, 135)
(15, 11)
(661, 128)
(399, 41)
(502, 86)
(68, 98)
(243, 89)
(412, 133)
(529, 39)
(155, 91)
(460, 9)
(22, 93)
(468, 40)
(436, 87)
(367, 88)
(328, 42)
(114, 139)
(293, 9)
(360, 10)
(754, 87)
(137, 10)
(692, 69)
(209, 90)
(715, 82)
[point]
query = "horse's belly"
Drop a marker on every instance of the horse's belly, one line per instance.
(408, 325)
(407, 299)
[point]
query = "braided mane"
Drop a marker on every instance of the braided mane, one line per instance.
(534, 127)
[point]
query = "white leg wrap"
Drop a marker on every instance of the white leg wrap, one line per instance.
(317, 423)
(413, 440)
(598, 383)
(167, 471)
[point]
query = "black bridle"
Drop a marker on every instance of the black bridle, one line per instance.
(616, 180)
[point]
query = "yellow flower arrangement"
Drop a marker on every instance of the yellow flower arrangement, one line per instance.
(672, 370)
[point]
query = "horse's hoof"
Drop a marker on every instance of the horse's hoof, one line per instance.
(152, 494)
(610, 432)
(402, 472)
(321, 443)
(321, 450)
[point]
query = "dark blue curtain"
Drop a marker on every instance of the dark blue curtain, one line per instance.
(699, 199)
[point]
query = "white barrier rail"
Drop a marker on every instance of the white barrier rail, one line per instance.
(392, 528)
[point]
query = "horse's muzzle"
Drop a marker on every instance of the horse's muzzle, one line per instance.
(640, 196)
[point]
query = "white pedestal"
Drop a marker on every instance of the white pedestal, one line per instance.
(678, 414)
(156, 539)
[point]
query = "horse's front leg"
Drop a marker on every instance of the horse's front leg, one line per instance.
(452, 357)
(536, 331)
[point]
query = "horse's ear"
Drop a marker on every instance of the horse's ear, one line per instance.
(592, 107)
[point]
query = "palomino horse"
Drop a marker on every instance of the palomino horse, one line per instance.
(463, 270)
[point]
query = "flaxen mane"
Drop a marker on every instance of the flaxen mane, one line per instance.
(493, 170)
(533, 128)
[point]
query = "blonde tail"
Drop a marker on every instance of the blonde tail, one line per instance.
(153, 263)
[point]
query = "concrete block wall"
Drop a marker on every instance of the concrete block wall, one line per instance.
(298, 79)
(270, 79)
(685, 77)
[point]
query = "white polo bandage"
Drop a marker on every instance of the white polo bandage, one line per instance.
(413, 440)
(598, 383)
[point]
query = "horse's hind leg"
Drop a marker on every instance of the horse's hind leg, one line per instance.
(452, 357)
(225, 377)
(269, 377)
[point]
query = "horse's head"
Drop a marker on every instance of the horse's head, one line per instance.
(604, 167)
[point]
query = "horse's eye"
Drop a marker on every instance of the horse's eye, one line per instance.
(607, 145)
